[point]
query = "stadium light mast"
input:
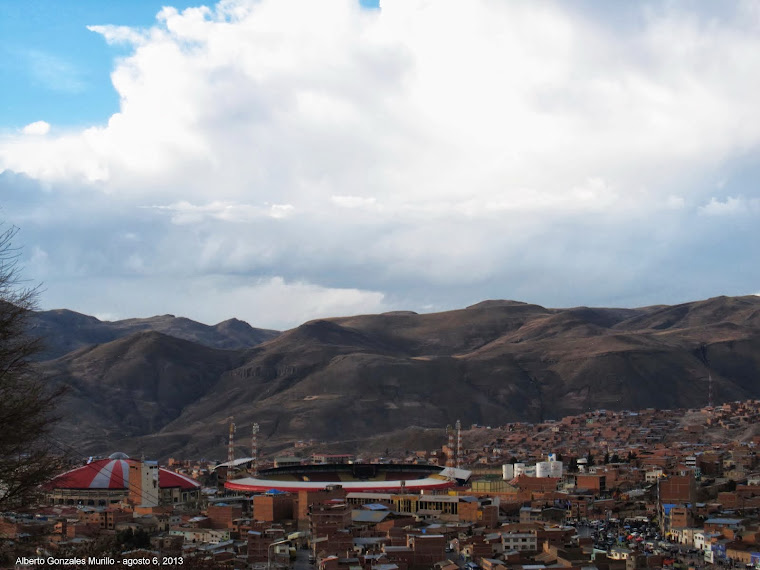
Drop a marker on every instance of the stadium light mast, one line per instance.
(450, 455)
(459, 444)
(231, 445)
(255, 449)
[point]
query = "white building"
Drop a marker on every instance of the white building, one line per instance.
(519, 541)
(653, 474)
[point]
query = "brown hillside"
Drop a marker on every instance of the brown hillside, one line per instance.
(353, 378)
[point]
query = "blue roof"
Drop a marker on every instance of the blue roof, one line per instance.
(723, 521)
(667, 506)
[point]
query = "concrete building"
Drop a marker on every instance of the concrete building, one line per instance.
(520, 541)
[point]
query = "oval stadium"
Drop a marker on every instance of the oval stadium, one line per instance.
(352, 477)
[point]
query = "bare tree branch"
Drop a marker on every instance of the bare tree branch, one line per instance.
(26, 402)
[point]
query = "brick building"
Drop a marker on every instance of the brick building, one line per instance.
(223, 515)
(678, 489)
(273, 507)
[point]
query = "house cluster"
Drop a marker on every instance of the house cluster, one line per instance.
(556, 494)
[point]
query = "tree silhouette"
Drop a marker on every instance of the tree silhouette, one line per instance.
(26, 404)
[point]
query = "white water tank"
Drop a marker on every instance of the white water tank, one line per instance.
(543, 469)
(508, 472)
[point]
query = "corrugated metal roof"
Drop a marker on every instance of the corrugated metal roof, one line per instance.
(369, 516)
(234, 463)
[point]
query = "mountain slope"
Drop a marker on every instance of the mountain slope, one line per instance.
(133, 386)
(351, 378)
(65, 331)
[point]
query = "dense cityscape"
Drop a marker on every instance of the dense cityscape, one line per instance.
(605, 489)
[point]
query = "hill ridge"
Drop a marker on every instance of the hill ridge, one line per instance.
(367, 375)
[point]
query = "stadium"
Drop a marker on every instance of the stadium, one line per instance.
(355, 477)
(108, 481)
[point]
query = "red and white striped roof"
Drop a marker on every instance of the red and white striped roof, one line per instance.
(114, 474)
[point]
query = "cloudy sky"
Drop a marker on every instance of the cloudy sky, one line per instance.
(282, 160)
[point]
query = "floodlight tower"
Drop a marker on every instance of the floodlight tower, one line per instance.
(255, 449)
(231, 445)
(459, 443)
(450, 455)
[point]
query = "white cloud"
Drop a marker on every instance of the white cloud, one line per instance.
(730, 206)
(675, 202)
(184, 212)
(279, 211)
(353, 201)
(427, 146)
(36, 128)
(529, 103)
(119, 34)
(272, 302)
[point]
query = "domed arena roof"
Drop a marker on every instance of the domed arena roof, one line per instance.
(114, 474)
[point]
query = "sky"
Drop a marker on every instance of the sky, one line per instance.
(284, 160)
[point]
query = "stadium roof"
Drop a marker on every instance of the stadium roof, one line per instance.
(234, 462)
(437, 481)
(113, 474)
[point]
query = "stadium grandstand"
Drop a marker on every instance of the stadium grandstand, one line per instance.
(353, 477)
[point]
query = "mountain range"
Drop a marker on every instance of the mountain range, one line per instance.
(168, 386)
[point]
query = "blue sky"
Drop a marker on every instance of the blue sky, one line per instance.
(60, 70)
(281, 160)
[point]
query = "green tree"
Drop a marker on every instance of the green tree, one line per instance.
(26, 404)
(129, 539)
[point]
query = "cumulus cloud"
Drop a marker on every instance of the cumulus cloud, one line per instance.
(428, 154)
(731, 206)
(36, 128)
